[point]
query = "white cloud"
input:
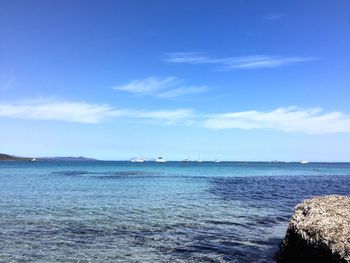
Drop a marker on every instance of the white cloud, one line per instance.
(290, 119)
(83, 112)
(160, 87)
(229, 63)
(188, 57)
(182, 91)
(167, 117)
(164, 114)
(56, 110)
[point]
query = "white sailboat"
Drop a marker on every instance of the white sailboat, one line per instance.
(187, 159)
(304, 162)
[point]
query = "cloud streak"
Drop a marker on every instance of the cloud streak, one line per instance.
(285, 119)
(170, 87)
(289, 119)
(231, 63)
(56, 110)
(83, 112)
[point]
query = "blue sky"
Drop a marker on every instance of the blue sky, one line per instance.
(234, 80)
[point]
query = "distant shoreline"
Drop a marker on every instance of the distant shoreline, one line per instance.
(7, 157)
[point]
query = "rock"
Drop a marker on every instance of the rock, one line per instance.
(319, 231)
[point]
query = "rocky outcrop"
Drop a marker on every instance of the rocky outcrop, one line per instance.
(319, 231)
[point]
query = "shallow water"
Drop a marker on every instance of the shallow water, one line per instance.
(154, 212)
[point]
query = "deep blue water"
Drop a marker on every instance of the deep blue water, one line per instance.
(154, 212)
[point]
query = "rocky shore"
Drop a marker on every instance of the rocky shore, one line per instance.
(319, 231)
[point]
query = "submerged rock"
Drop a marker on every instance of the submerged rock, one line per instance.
(319, 231)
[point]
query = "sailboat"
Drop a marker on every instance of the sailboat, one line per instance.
(199, 158)
(217, 161)
(187, 159)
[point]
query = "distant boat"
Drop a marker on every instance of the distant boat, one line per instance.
(33, 160)
(199, 158)
(160, 159)
(304, 162)
(137, 160)
(217, 161)
(186, 159)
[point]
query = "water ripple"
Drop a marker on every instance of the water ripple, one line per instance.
(183, 213)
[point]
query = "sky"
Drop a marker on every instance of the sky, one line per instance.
(231, 80)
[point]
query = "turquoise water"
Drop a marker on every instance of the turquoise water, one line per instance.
(154, 212)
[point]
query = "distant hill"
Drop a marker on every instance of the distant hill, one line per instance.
(7, 157)
(69, 158)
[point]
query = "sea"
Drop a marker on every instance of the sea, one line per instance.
(104, 211)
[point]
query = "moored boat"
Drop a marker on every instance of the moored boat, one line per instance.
(186, 159)
(137, 160)
(160, 159)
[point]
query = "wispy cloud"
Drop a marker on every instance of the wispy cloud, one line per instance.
(274, 16)
(289, 119)
(83, 112)
(168, 117)
(286, 119)
(56, 110)
(169, 87)
(230, 63)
